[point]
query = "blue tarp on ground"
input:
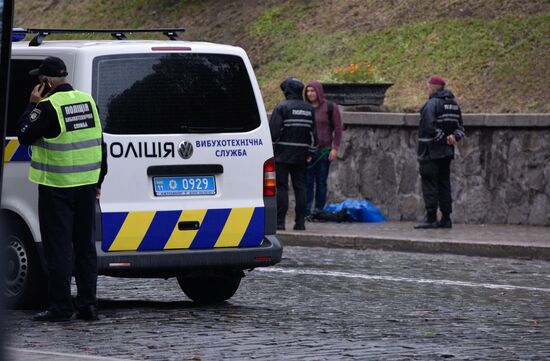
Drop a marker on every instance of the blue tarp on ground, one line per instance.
(360, 210)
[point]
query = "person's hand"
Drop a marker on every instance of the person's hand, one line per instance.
(36, 94)
(309, 158)
(451, 140)
(97, 193)
(332, 155)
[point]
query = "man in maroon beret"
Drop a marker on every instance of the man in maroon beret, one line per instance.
(440, 129)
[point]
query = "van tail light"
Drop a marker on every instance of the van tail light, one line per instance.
(270, 181)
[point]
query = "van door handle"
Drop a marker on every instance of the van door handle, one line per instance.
(188, 226)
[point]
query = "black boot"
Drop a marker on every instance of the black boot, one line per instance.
(429, 223)
(299, 227)
(280, 224)
(445, 222)
(52, 316)
(300, 223)
(88, 313)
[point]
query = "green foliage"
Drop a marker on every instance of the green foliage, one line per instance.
(271, 23)
(496, 50)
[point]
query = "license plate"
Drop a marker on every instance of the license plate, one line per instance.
(184, 186)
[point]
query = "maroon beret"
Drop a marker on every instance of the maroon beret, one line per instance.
(436, 80)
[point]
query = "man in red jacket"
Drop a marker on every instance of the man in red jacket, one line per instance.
(328, 124)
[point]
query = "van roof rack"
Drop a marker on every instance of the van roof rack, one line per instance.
(119, 34)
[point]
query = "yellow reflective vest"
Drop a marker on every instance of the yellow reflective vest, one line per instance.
(73, 158)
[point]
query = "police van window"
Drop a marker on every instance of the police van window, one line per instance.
(21, 85)
(174, 93)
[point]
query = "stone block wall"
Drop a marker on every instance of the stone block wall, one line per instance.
(500, 175)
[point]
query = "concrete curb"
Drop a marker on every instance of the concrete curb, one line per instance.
(485, 249)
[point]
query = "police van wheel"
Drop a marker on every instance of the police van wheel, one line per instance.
(210, 288)
(25, 285)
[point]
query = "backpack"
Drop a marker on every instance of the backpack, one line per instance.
(330, 110)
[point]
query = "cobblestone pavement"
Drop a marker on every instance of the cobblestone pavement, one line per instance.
(322, 304)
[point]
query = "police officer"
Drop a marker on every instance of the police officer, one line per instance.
(440, 129)
(68, 163)
(294, 138)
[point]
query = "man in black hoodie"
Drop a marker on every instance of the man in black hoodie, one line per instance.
(440, 129)
(294, 139)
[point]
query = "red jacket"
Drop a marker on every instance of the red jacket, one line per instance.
(329, 134)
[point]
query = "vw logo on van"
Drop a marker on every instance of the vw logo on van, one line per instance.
(185, 149)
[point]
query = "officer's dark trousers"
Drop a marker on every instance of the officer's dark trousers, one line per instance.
(67, 222)
(436, 186)
(298, 174)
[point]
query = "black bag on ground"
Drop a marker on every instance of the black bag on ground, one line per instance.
(328, 216)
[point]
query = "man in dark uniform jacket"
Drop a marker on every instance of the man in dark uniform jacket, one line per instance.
(440, 129)
(294, 138)
(68, 163)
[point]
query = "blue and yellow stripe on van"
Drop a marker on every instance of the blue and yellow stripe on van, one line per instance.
(15, 152)
(158, 230)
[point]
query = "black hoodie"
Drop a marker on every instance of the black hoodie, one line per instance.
(439, 117)
(292, 125)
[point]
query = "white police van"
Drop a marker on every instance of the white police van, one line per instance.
(190, 191)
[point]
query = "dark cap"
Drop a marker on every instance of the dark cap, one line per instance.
(51, 66)
(436, 80)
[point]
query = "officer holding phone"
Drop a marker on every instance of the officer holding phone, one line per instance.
(68, 163)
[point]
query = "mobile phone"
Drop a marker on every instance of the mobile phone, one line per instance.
(47, 88)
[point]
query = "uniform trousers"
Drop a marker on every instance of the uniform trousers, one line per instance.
(436, 186)
(67, 225)
(298, 174)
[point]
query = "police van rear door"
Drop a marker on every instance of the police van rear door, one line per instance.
(186, 144)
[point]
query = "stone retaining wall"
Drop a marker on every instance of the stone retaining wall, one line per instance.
(500, 175)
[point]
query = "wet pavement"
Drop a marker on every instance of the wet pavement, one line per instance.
(321, 304)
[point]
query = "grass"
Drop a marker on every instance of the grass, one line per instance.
(493, 60)
(500, 53)
(271, 24)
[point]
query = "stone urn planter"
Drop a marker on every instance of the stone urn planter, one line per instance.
(361, 95)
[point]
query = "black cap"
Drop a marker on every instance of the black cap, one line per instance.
(51, 66)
